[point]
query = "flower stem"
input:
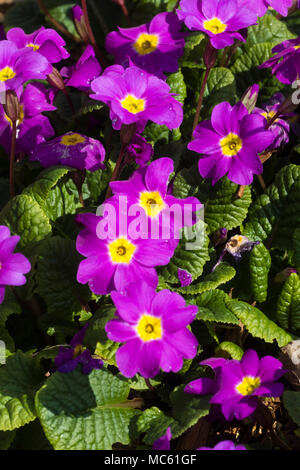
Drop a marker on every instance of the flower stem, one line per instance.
(12, 159)
(55, 23)
(240, 192)
(91, 34)
(197, 115)
(149, 385)
(116, 171)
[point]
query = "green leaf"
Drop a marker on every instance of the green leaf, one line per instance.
(212, 307)
(222, 274)
(296, 246)
(85, 412)
(266, 211)
(258, 324)
(220, 87)
(56, 277)
(228, 350)
(155, 133)
(25, 217)
(177, 85)
(288, 304)
(268, 29)
(6, 439)
(62, 12)
(291, 401)
(187, 258)
(193, 50)
(25, 15)
(223, 209)
(19, 380)
(260, 263)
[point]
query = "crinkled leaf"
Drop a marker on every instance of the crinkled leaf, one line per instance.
(229, 350)
(288, 304)
(260, 263)
(222, 274)
(212, 307)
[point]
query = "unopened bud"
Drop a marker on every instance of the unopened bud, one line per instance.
(55, 79)
(210, 55)
(284, 275)
(127, 132)
(78, 18)
(249, 98)
(11, 105)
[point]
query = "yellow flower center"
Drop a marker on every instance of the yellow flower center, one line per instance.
(231, 145)
(152, 203)
(215, 26)
(296, 47)
(149, 327)
(248, 385)
(6, 74)
(35, 47)
(269, 115)
(78, 350)
(132, 104)
(146, 43)
(20, 117)
(121, 251)
(72, 139)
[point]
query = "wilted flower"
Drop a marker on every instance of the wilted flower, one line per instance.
(163, 442)
(219, 19)
(285, 63)
(135, 96)
(68, 358)
(140, 150)
(153, 327)
(184, 277)
(231, 146)
(13, 266)
(71, 149)
(224, 445)
(154, 47)
(83, 72)
(46, 41)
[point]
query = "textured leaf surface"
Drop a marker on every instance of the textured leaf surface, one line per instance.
(229, 350)
(222, 274)
(288, 305)
(85, 412)
(260, 263)
(212, 307)
(268, 29)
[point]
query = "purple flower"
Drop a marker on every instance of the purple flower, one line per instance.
(77, 13)
(13, 266)
(163, 442)
(231, 146)
(46, 41)
(206, 385)
(83, 72)
(236, 246)
(280, 127)
(135, 96)
(184, 277)
(32, 127)
(224, 445)
(115, 256)
(242, 382)
(140, 150)
(219, 19)
(19, 66)
(285, 63)
(153, 327)
(71, 149)
(68, 358)
(259, 7)
(154, 47)
(148, 189)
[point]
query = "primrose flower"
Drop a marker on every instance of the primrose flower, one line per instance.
(231, 146)
(205, 385)
(116, 255)
(219, 19)
(148, 189)
(134, 96)
(154, 47)
(280, 127)
(163, 442)
(68, 358)
(32, 127)
(224, 445)
(84, 71)
(71, 149)
(140, 150)
(18, 66)
(153, 327)
(46, 41)
(184, 277)
(285, 64)
(260, 6)
(242, 382)
(13, 266)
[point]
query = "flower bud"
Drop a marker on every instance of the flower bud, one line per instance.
(210, 56)
(250, 96)
(55, 79)
(11, 105)
(78, 18)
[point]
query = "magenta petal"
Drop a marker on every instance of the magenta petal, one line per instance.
(150, 357)
(128, 357)
(250, 363)
(2, 293)
(171, 359)
(119, 331)
(184, 341)
(202, 386)
(157, 175)
(18, 263)
(127, 308)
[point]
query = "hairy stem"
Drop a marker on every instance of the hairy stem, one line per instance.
(12, 160)
(116, 171)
